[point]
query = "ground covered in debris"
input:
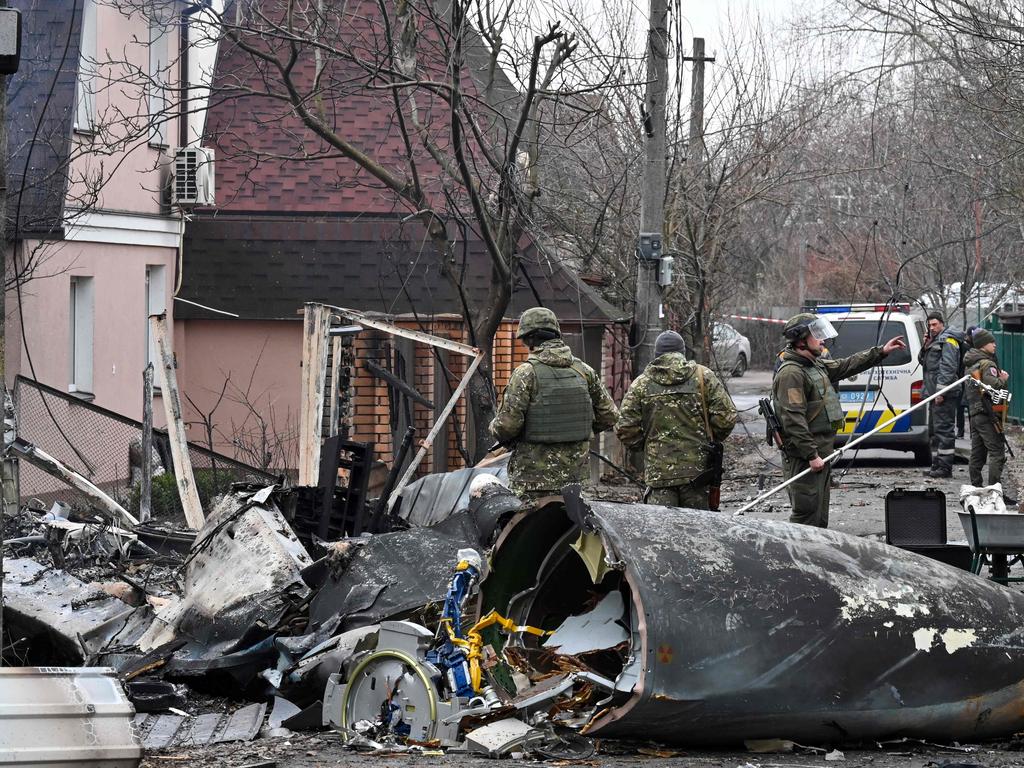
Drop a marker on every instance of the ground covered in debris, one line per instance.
(161, 612)
(326, 749)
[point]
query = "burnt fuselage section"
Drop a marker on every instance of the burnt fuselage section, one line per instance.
(746, 629)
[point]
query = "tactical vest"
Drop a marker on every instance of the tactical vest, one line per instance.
(825, 414)
(561, 410)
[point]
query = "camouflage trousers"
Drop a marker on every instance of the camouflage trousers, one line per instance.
(683, 496)
(943, 431)
(986, 447)
(810, 495)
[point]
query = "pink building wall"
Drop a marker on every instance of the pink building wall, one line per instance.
(257, 365)
(121, 233)
(133, 173)
(119, 319)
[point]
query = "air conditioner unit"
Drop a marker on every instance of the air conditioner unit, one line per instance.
(192, 183)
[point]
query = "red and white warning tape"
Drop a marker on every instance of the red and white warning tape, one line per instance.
(759, 319)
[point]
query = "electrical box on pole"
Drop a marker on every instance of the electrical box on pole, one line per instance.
(10, 40)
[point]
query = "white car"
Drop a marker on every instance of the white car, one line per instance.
(730, 348)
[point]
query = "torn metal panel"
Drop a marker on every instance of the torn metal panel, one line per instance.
(395, 573)
(244, 573)
(501, 738)
(436, 497)
(65, 619)
(593, 631)
(304, 681)
(748, 629)
(55, 716)
(171, 731)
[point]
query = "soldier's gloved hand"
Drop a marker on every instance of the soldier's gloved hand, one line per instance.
(817, 464)
(1003, 375)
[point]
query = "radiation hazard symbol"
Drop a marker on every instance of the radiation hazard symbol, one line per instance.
(665, 654)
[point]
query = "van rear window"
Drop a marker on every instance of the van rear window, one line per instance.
(857, 335)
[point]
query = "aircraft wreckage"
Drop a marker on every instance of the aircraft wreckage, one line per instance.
(614, 620)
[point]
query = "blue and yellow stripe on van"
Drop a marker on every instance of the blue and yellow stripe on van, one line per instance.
(871, 419)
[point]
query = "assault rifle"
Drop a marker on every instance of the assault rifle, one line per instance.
(772, 426)
(715, 469)
(995, 402)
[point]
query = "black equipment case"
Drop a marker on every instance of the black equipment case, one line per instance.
(916, 521)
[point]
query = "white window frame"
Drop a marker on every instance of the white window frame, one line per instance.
(158, 101)
(85, 91)
(81, 313)
(156, 304)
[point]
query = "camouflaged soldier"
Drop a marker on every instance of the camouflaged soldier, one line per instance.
(809, 411)
(986, 435)
(552, 406)
(673, 411)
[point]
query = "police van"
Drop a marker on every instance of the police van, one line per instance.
(887, 390)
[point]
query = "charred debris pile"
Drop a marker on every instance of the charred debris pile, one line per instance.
(475, 624)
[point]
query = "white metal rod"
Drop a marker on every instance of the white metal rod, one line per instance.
(429, 440)
(839, 451)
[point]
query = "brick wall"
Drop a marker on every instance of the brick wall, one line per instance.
(373, 419)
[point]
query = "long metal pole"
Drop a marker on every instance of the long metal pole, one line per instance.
(839, 451)
(646, 314)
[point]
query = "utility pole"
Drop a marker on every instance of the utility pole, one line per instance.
(696, 157)
(697, 150)
(647, 312)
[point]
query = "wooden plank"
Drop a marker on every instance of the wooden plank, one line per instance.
(168, 378)
(337, 355)
(52, 466)
(146, 491)
(316, 325)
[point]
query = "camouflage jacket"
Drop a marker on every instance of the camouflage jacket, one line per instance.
(663, 414)
(802, 394)
(547, 466)
(988, 366)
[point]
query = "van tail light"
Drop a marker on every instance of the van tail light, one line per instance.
(916, 392)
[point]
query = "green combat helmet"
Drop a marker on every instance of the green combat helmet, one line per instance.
(797, 326)
(807, 324)
(537, 319)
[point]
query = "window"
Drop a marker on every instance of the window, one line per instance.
(159, 67)
(857, 335)
(85, 98)
(156, 304)
(81, 312)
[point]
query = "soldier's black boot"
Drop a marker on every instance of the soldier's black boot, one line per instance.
(941, 471)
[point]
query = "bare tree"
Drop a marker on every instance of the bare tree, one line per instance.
(469, 135)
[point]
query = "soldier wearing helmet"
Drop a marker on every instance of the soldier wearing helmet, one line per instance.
(553, 404)
(809, 411)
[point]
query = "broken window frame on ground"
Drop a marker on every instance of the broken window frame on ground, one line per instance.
(323, 322)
